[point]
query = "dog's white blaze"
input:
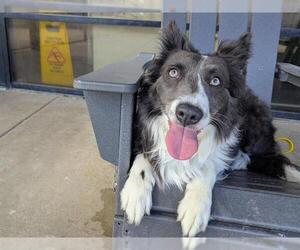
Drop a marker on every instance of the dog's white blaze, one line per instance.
(202, 97)
(198, 99)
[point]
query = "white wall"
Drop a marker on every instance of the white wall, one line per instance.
(113, 43)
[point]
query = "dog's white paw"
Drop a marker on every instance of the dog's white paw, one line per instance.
(192, 243)
(194, 213)
(136, 198)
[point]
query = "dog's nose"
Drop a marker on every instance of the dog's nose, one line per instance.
(188, 114)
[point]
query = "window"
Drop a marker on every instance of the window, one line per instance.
(53, 53)
(286, 88)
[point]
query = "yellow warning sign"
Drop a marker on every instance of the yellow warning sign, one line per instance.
(56, 63)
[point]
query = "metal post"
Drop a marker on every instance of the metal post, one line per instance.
(4, 61)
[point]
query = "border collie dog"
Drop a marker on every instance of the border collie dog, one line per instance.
(196, 118)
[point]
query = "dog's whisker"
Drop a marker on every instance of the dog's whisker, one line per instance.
(220, 122)
(160, 108)
(218, 115)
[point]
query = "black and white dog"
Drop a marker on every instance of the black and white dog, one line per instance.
(195, 118)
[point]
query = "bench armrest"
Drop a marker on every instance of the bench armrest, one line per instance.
(121, 77)
(289, 73)
(110, 96)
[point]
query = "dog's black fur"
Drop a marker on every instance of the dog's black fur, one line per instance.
(248, 113)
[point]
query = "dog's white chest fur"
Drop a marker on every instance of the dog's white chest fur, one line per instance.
(199, 174)
(211, 153)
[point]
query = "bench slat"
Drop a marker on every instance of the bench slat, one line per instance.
(231, 25)
(265, 31)
(174, 10)
(203, 25)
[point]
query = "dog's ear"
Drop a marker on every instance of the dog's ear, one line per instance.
(173, 39)
(237, 52)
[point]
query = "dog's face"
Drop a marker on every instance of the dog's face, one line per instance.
(193, 88)
(197, 90)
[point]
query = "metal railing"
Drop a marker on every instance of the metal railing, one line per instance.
(83, 7)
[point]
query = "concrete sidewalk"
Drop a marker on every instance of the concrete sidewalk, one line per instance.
(52, 180)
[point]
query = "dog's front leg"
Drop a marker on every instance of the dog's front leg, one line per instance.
(136, 195)
(194, 209)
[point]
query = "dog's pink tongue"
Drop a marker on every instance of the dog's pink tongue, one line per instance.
(181, 142)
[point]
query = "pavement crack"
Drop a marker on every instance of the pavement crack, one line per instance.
(28, 117)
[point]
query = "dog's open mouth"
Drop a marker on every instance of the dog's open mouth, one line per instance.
(182, 142)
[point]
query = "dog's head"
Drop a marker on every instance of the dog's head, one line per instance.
(196, 90)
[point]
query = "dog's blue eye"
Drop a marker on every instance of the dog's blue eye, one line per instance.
(215, 81)
(173, 73)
